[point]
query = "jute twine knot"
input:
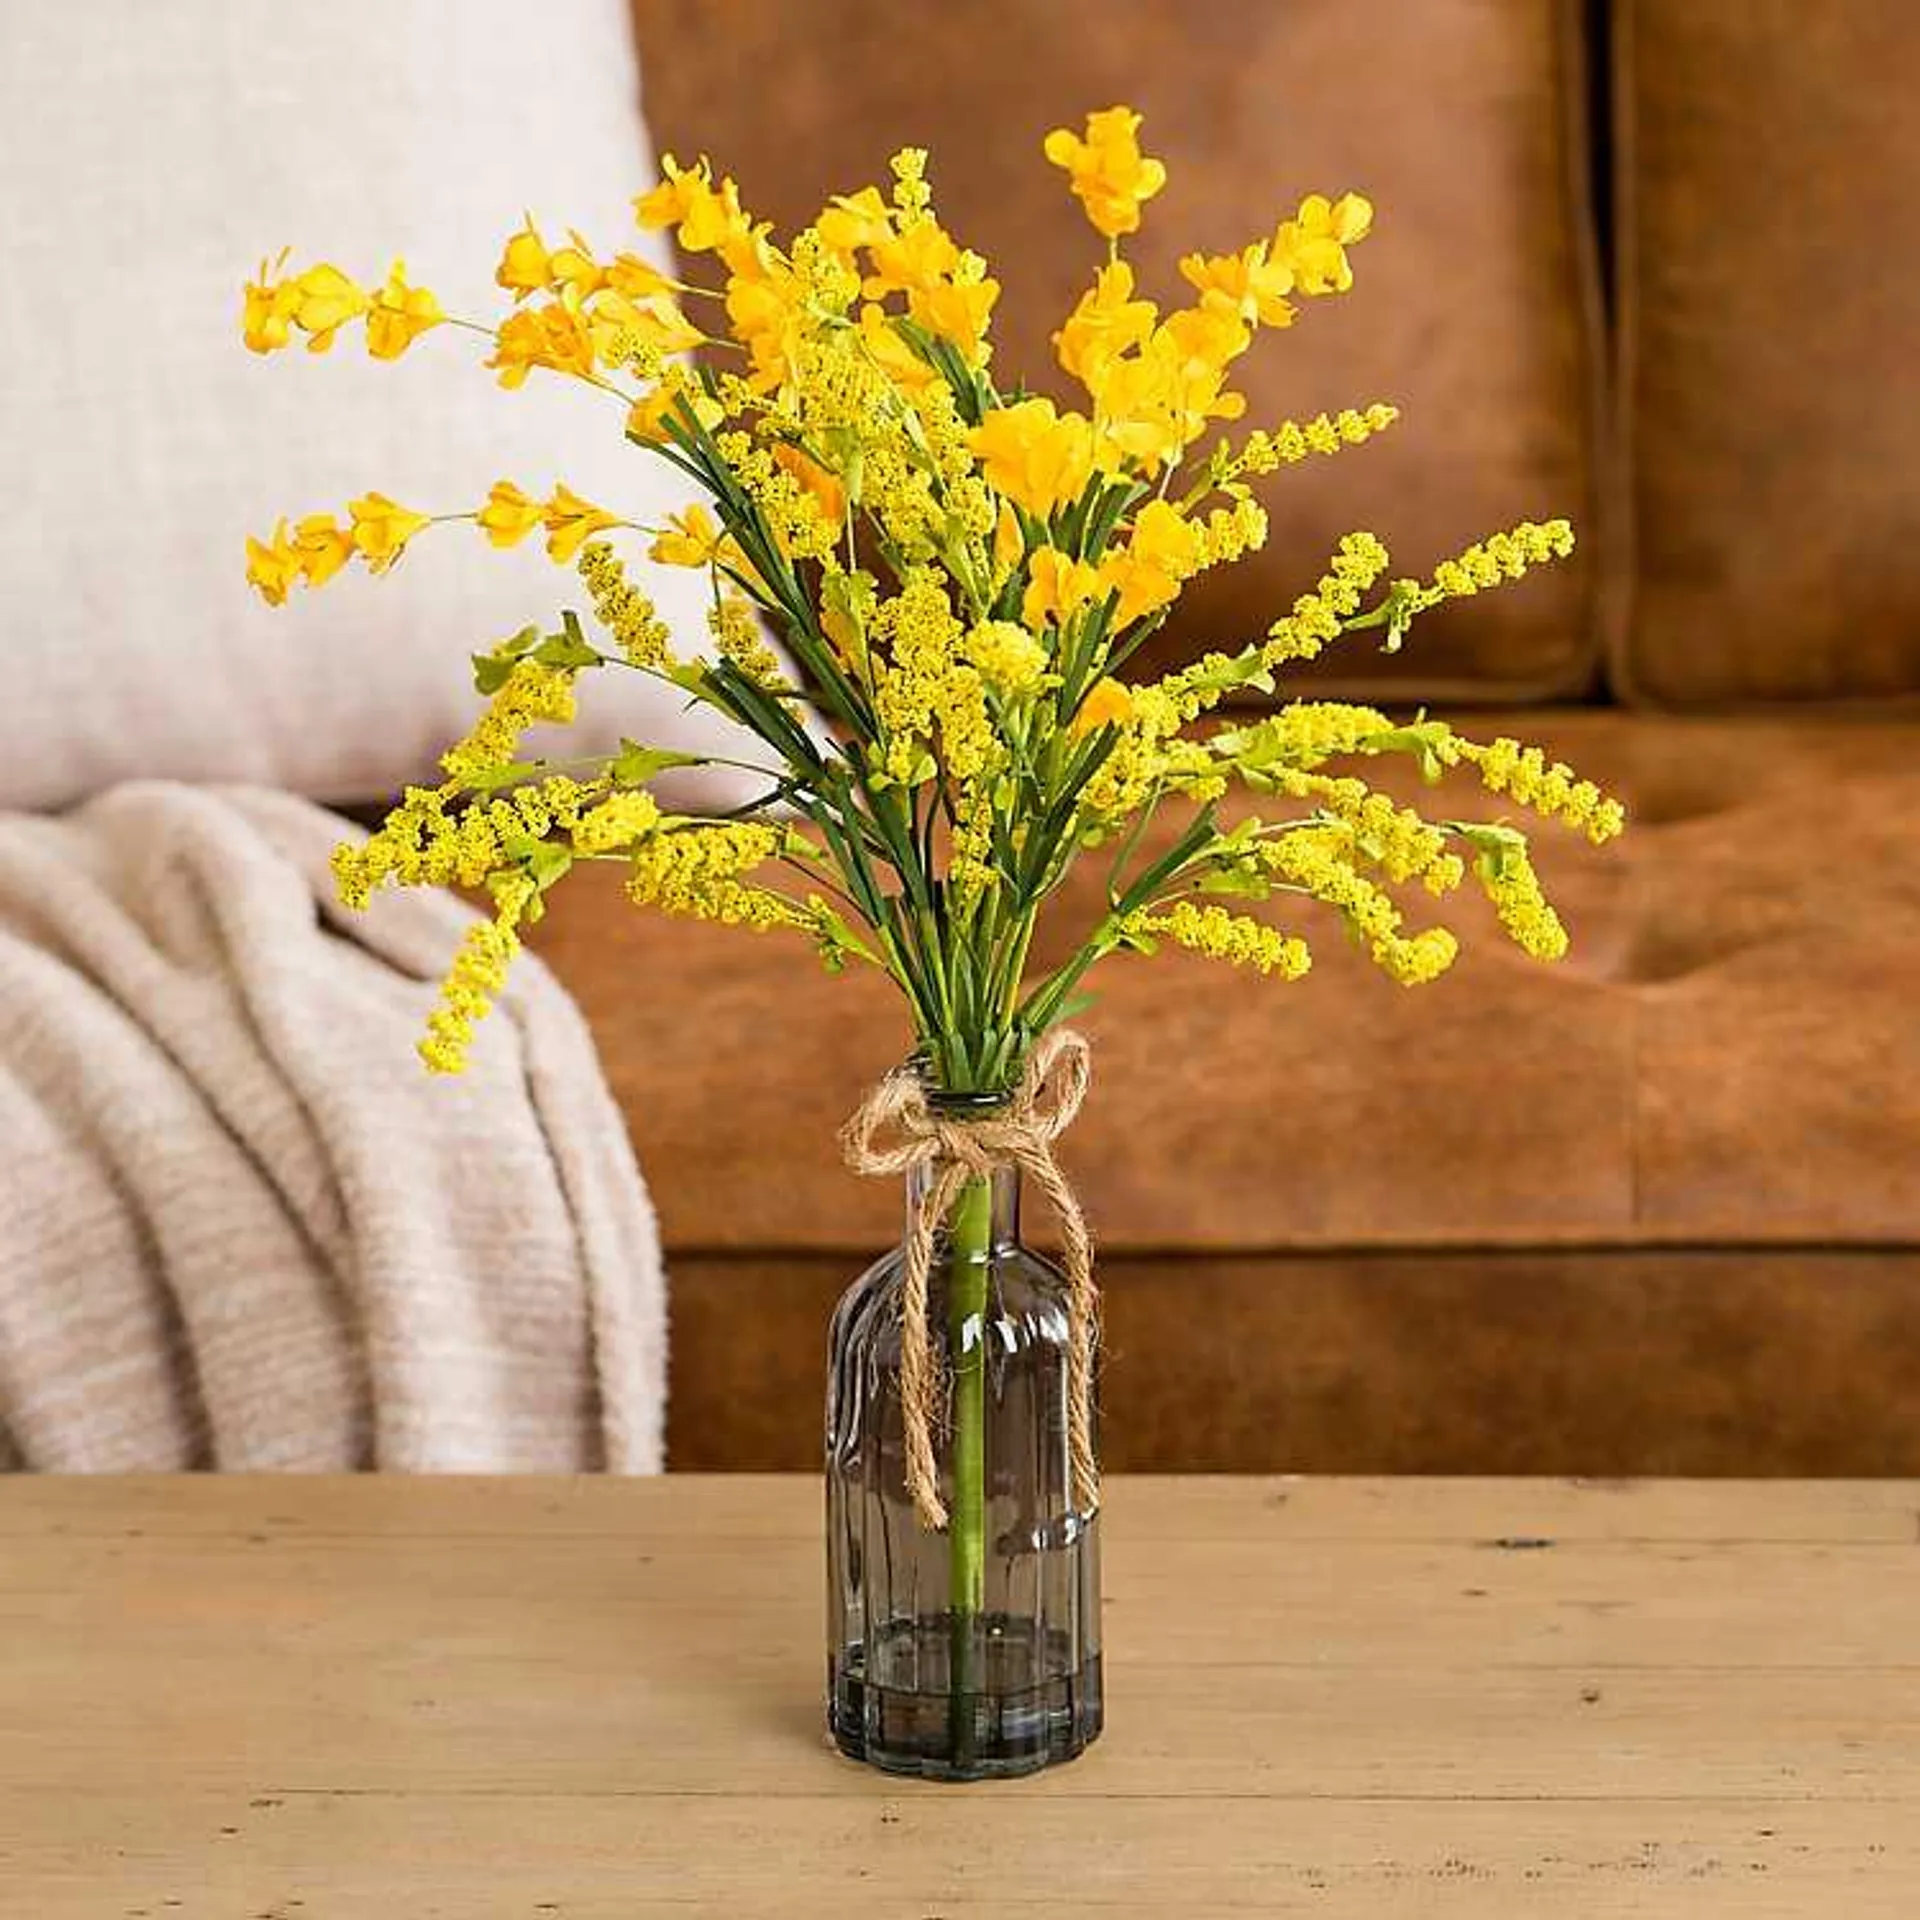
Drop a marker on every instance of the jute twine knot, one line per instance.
(897, 1129)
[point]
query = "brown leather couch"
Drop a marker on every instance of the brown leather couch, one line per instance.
(1650, 265)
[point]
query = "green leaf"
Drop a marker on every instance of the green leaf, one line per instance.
(490, 674)
(634, 765)
(567, 649)
(548, 862)
(490, 669)
(492, 779)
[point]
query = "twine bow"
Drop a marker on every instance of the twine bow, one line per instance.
(896, 1129)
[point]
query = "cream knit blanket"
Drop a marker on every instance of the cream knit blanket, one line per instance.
(240, 1227)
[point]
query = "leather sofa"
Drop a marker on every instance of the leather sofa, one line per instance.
(1657, 1210)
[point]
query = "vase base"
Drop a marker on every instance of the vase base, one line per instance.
(1029, 1708)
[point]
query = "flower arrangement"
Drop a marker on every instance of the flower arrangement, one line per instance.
(959, 570)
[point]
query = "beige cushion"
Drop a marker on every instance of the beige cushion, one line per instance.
(150, 156)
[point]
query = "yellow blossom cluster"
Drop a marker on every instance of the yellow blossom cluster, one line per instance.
(1007, 656)
(737, 637)
(597, 315)
(316, 547)
(1111, 178)
(1505, 872)
(1500, 557)
(1396, 840)
(1318, 861)
(1236, 938)
(322, 299)
(960, 568)
(1553, 792)
(625, 612)
(532, 693)
(511, 514)
(424, 842)
(617, 821)
(475, 980)
(696, 871)
(1292, 441)
(923, 691)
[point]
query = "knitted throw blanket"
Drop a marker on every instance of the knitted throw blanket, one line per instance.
(240, 1227)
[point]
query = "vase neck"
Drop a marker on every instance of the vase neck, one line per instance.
(1001, 1204)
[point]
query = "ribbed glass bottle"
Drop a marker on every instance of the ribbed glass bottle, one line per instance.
(974, 1652)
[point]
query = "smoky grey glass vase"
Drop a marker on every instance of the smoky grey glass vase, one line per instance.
(971, 1652)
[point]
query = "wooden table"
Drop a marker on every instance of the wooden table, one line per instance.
(391, 1699)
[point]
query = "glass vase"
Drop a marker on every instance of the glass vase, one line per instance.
(972, 1652)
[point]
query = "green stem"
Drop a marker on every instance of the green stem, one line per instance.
(969, 1252)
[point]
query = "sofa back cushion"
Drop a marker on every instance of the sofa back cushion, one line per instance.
(1471, 309)
(1769, 221)
(150, 157)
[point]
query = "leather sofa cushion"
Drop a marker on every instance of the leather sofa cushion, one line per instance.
(1604, 1360)
(1472, 308)
(1769, 225)
(1728, 1058)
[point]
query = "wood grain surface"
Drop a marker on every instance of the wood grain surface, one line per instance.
(384, 1699)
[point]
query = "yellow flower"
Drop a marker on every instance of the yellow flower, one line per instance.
(922, 688)
(646, 329)
(1292, 440)
(1107, 323)
(1109, 175)
(525, 265)
(1038, 458)
(1249, 284)
(1057, 587)
(1009, 543)
(399, 315)
(1312, 246)
(898, 361)
(1236, 938)
(1153, 404)
(648, 417)
(272, 566)
(1501, 556)
(737, 638)
(824, 487)
(635, 279)
(571, 521)
(1009, 657)
(706, 218)
(1163, 552)
(575, 271)
(696, 870)
(921, 256)
(382, 528)
(1108, 702)
(324, 547)
(552, 336)
(1506, 875)
(853, 220)
(693, 539)
(956, 310)
(325, 301)
(509, 515)
(1553, 792)
(478, 974)
(617, 821)
(767, 314)
(266, 316)
(624, 610)
(531, 693)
